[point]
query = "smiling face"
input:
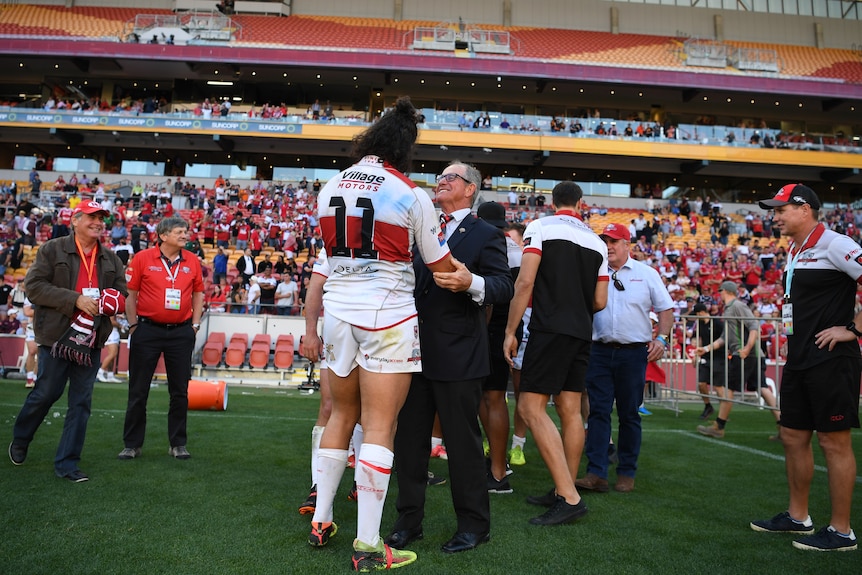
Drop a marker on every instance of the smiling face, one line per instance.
(791, 219)
(454, 190)
(88, 228)
(176, 238)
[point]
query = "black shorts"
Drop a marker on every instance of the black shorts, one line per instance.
(752, 371)
(712, 372)
(554, 363)
(824, 397)
(498, 380)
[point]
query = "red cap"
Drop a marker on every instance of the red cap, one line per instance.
(617, 232)
(91, 208)
(796, 194)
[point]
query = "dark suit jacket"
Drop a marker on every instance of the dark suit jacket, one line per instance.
(240, 265)
(454, 341)
(452, 328)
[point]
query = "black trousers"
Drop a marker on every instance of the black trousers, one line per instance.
(145, 346)
(457, 402)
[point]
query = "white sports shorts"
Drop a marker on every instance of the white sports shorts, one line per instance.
(390, 350)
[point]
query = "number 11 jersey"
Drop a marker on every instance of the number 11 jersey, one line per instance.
(371, 217)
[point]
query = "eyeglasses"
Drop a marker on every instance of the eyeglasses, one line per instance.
(450, 177)
(617, 283)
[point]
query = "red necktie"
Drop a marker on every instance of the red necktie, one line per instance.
(444, 219)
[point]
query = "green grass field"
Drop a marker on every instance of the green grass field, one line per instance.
(232, 507)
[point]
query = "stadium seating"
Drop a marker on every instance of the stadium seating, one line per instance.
(283, 357)
(383, 34)
(213, 349)
(258, 357)
(236, 348)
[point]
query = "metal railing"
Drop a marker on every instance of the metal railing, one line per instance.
(681, 365)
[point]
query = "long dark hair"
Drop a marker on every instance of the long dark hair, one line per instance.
(392, 137)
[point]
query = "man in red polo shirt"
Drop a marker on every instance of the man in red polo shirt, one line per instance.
(164, 307)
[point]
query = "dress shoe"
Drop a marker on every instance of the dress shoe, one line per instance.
(625, 484)
(465, 541)
(592, 482)
(403, 537)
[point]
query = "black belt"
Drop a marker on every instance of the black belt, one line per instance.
(617, 345)
(164, 325)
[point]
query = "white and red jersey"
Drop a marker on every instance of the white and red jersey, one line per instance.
(223, 231)
(65, 215)
(371, 216)
(242, 231)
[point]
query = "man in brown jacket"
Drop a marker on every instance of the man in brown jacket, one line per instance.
(73, 282)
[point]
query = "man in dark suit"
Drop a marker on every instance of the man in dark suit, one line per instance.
(245, 266)
(455, 360)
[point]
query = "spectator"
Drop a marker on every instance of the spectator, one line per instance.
(286, 297)
(253, 296)
(219, 266)
(61, 301)
(618, 361)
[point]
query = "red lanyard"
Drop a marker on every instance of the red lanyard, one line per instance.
(89, 266)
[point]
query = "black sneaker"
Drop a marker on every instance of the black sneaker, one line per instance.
(17, 453)
(545, 500)
(500, 487)
(783, 523)
(434, 480)
(308, 506)
(561, 512)
(827, 539)
(76, 476)
(354, 494)
(708, 410)
(488, 467)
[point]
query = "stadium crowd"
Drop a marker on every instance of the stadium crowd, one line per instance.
(279, 218)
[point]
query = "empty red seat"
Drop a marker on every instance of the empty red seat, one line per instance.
(283, 356)
(259, 354)
(236, 348)
(213, 349)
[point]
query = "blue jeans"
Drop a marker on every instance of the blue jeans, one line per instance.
(615, 374)
(50, 384)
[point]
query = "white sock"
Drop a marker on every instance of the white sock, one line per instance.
(31, 374)
(373, 471)
(330, 468)
(316, 434)
(357, 439)
(436, 442)
(518, 441)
